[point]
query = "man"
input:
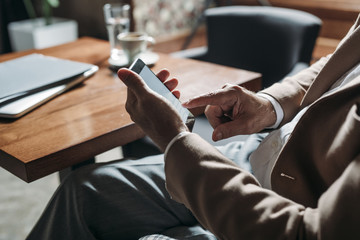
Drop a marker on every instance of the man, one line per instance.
(313, 168)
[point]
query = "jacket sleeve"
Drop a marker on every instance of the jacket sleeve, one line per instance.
(229, 201)
(295, 89)
(290, 92)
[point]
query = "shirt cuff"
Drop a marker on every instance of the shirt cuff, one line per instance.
(178, 136)
(277, 107)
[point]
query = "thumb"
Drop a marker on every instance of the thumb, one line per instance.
(132, 80)
(226, 130)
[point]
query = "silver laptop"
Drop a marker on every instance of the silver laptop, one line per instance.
(57, 76)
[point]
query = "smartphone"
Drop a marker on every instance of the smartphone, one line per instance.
(156, 85)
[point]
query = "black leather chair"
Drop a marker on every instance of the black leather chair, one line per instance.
(270, 40)
(276, 42)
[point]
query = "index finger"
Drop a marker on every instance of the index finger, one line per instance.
(163, 74)
(213, 98)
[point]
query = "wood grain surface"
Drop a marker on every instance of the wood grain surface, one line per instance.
(91, 118)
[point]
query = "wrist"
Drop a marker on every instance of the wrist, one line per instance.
(177, 137)
(271, 115)
(275, 113)
(169, 135)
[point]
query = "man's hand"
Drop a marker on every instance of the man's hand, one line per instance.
(152, 112)
(234, 110)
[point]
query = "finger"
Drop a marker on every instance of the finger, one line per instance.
(214, 115)
(227, 85)
(214, 98)
(226, 130)
(176, 93)
(132, 80)
(171, 84)
(163, 74)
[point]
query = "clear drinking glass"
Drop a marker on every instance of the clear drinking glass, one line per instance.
(117, 19)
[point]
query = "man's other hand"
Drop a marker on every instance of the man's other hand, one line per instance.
(234, 110)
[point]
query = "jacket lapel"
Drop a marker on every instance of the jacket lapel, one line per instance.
(343, 59)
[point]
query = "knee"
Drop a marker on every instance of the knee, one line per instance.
(101, 178)
(84, 179)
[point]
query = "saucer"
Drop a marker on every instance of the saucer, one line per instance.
(149, 58)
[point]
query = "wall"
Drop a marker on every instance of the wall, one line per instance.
(155, 17)
(10, 10)
(88, 14)
(166, 17)
(170, 17)
(337, 15)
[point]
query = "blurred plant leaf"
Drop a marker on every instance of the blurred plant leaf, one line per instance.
(30, 9)
(53, 3)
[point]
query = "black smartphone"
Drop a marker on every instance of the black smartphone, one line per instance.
(156, 85)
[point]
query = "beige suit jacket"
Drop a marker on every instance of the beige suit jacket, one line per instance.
(316, 178)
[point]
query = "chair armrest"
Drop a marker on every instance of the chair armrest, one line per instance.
(297, 68)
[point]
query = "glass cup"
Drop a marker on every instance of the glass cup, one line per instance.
(135, 43)
(117, 19)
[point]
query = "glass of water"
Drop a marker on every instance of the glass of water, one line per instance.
(117, 19)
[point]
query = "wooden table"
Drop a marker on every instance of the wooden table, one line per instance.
(91, 118)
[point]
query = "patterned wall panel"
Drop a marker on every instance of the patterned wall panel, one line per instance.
(160, 17)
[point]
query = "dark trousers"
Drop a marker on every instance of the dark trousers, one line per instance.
(125, 199)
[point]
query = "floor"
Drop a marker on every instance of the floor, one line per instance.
(21, 203)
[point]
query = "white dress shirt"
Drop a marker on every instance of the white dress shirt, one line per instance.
(263, 158)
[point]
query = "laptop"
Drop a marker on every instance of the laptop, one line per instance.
(30, 81)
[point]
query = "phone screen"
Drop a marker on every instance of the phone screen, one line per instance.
(155, 84)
